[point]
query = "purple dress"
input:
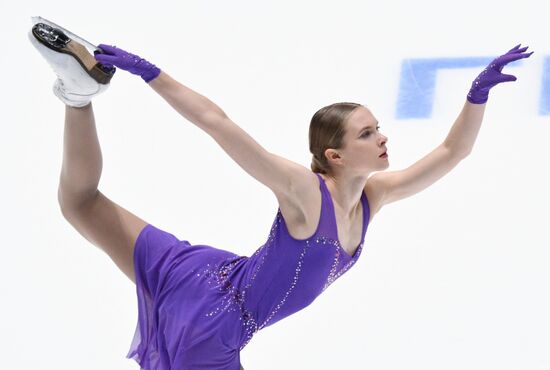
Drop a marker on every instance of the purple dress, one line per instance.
(199, 306)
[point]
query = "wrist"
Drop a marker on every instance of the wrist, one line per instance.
(146, 70)
(477, 97)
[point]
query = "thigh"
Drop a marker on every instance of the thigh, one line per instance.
(108, 226)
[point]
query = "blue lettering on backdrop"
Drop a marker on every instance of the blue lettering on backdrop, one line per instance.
(545, 93)
(417, 83)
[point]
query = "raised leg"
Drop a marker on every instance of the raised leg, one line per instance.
(82, 158)
(98, 219)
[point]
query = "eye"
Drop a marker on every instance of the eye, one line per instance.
(367, 133)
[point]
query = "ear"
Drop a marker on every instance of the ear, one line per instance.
(333, 156)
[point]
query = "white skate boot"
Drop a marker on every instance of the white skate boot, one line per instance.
(80, 76)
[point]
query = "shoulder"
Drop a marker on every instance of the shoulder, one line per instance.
(302, 200)
(374, 190)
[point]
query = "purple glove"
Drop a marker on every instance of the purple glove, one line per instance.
(127, 61)
(491, 76)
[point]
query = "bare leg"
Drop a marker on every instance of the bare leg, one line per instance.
(97, 218)
(82, 159)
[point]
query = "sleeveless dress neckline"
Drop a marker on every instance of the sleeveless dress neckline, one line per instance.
(366, 216)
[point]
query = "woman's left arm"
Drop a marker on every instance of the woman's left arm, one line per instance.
(463, 133)
(391, 186)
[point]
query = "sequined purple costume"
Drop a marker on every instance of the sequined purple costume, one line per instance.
(199, 306)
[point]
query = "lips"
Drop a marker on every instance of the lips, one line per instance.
(382, 154)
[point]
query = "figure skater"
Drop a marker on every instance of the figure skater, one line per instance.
(199, 306)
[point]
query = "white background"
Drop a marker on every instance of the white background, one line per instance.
(455, 277)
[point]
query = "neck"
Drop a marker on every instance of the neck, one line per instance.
(346, 192)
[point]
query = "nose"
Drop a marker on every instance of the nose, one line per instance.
(383, 140)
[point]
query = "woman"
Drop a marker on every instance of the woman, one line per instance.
(198, 305)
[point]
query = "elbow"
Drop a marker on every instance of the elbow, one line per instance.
(458, 152)
(463, 154)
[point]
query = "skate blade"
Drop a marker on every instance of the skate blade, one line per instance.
(81, 40)
(61, 40)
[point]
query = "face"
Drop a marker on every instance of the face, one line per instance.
(363, 143)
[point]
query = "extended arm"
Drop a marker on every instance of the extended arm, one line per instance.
(271, 170)
(396, 185)
(194, 107)
(188, 103)
(463, 133)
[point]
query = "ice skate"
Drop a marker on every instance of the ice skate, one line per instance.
(80, 76)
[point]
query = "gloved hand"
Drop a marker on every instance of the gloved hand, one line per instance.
(127, 61)
(491, 76)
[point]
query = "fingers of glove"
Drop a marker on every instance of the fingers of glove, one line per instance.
(517, 51)
(507, 58)
(514, 48)
(522, 50)
(108, 49)
(494, 79)
(522, 55)
(104, 58)
(506, 78)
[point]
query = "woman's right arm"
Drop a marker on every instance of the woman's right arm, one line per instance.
(188, 103)
(194, 107)
(277, 173)
(281, 175)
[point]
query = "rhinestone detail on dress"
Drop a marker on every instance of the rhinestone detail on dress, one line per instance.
(234, 299)
(295, 280)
